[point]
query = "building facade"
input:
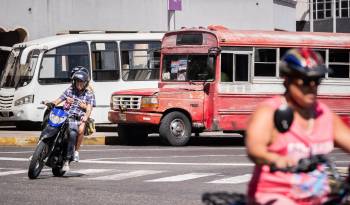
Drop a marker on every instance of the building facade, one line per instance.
(32, 19)
(322, 11)
(40, 18)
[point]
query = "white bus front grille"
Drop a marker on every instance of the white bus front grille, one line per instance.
(6, 102)
(126, 102)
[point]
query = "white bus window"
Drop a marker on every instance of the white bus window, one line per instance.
(105, 62)
(140, 60)
(58, 62)
(265, 62)
(339, 62)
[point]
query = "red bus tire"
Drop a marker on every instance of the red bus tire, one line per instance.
(175, 129)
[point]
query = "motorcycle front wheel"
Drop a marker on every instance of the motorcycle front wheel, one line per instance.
(37, 162)
(58, 172)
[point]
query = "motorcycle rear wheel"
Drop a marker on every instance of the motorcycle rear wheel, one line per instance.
(58, 172)
(37, 162)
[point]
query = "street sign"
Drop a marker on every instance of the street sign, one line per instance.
(174, 5)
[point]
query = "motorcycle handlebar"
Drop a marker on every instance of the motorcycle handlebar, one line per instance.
(50, 105)
(304, 165)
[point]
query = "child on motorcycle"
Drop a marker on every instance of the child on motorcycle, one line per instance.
(78, 104)
(315, 130)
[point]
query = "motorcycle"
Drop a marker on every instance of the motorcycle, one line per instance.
(52, 145)
(340, 185)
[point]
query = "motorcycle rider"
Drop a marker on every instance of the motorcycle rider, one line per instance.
(314, 130)
(82, 105)
(76, 96)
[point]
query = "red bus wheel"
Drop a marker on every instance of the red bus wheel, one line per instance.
(175, 129)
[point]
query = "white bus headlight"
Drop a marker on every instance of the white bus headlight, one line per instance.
(25, 100)
(149, 102)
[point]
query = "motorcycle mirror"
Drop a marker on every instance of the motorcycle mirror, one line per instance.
(283, 118)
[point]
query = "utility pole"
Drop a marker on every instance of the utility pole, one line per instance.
(334, 12)
(173, 5)
(311, 15)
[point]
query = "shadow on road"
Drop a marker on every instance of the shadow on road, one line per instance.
(194, 141)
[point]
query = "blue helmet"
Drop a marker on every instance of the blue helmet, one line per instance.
(79, 68)
(303, 62)
(82, 76)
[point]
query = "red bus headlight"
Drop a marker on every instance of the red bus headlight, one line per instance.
(149, 102)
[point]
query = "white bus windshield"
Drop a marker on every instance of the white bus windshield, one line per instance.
(26, 72)
(12, 65)
(16, 75)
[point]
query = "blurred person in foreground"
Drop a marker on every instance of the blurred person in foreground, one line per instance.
(314, 130)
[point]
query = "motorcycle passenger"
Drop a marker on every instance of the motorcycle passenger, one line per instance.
(82, 105)
(74, 96)
(314, 130)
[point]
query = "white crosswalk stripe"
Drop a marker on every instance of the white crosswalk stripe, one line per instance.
(90, 171)
(13, 172)
(233, 180)
(127, 175)
(115, 175)
(182, 177)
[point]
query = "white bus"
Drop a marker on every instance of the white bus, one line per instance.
(40, 70)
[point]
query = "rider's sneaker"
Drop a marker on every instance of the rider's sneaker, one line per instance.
(76, 156)
(65, 167)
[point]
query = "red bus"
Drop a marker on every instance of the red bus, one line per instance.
(213, 78)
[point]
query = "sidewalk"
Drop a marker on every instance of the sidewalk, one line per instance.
(30, 138)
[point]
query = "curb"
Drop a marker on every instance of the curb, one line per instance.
(33, 140)
(19, 141)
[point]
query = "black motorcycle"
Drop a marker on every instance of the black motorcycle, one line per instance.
(52, 145)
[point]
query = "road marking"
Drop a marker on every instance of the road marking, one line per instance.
(143, 163)
(13, 159)
(163, 149)
(13, 172)
(90, 171)
(233, 180)
(182, 177)
(166, 163)
(127, 175)
(22, 152)
(176, 156)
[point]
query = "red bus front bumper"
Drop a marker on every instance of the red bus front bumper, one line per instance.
(134, 117)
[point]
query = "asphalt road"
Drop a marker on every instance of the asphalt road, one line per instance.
(152, 174)
(127, 175)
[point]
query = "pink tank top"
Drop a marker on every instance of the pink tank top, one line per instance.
(297, 143)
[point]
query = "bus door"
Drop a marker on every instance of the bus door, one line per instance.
(234, 82)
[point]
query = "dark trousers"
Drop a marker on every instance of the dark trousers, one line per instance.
(73, 133)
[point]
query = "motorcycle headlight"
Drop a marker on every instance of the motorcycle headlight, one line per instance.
(25, 100)
(56, 119)
(149, 102)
